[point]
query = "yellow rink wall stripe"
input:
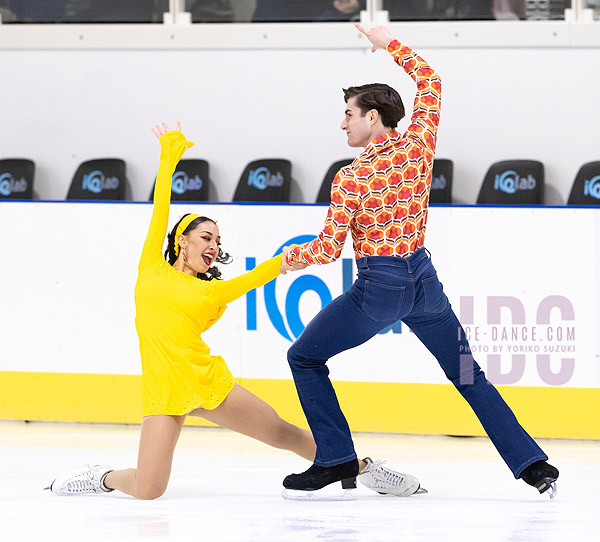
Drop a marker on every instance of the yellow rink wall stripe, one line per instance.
(369, 406)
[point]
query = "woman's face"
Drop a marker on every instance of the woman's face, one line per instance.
(201, 246)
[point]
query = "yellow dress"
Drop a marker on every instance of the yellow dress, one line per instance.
(173, 309)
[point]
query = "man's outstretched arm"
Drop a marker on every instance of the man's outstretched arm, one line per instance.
(426, 109)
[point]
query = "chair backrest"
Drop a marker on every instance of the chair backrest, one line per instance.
(16, 179)
(324, 195)
(267, 180)
(586, 186)
(190, 181)
(100, 179)
(513, 182)
(441, 181)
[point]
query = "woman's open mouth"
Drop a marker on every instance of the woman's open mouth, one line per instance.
(207, 259)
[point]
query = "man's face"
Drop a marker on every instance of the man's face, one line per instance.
(357, 127)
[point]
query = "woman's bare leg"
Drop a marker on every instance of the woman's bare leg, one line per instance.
(245, 413)
(155, 457)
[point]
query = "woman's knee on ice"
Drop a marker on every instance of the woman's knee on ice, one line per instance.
(150, 490)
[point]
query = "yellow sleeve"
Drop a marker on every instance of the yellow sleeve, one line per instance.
(172, 146)
(228, 290)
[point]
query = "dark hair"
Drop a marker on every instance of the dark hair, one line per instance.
(381, 97)
(171, 257)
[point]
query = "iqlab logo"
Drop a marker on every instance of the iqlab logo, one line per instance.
(262, 178)
(509, 182)
(592, 187)
(287, 322)
(96, 182)
(9, 185)
(182, 183)
(439, 183)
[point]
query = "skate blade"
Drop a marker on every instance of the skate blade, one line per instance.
(419, 491)
(548, 485)
(320, 495)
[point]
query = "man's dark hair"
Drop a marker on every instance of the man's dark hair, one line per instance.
(381, 97)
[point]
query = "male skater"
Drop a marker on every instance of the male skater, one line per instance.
(382, 199)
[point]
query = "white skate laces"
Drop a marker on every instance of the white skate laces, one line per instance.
(86, 480)
(382, 479)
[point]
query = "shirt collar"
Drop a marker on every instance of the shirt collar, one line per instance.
(381, 142)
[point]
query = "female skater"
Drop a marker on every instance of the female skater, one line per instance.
(175, 302)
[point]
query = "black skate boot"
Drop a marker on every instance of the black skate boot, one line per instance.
(542, 476)
(301, 486)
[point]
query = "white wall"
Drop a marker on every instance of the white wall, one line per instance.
(66, 103)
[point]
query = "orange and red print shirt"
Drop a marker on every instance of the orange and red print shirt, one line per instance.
(383, 196)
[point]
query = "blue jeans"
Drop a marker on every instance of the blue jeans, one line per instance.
(389, 288)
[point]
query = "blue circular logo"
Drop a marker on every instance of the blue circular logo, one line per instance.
(6, 180)
(507, 182)
(592, 187)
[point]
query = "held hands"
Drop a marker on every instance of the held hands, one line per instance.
(291, 266)
(378, 36)
(161, 129)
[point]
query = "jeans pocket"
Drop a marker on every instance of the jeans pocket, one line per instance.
(433, 292)
(383, 302)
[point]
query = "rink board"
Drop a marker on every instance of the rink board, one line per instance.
(369, 406)
(523, 282)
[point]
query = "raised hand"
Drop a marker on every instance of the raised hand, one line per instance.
(379, 36)
(162, 129)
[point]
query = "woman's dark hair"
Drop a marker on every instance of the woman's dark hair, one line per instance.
(381, 97)
(171, 257)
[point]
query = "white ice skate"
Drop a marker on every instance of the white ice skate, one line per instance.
(88, 480)
(384, 480)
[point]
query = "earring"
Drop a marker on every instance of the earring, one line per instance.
(185, 256)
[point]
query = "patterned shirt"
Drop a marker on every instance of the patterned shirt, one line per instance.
(383, 196)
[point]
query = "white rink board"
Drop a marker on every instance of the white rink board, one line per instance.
(69, 269)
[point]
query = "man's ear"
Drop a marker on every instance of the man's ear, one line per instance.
(373, 115)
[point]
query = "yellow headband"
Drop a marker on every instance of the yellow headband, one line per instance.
(187, 220)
